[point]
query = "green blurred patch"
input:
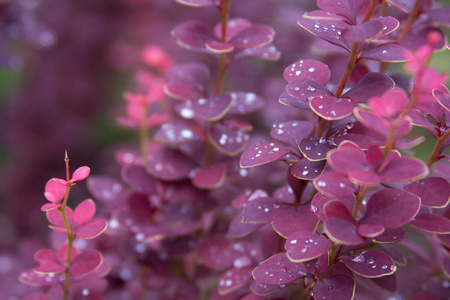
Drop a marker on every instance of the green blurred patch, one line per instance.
(9, 80)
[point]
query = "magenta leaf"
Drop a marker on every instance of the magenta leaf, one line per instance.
(278, 270)
(54, 191)
(49, 267)
(334, 184)
(289, 219)
(370, 264)
(179, 131)
(433, 191)
(369, 230)
(193, 35)
(92, 229)
(395, 253)
(87, 261)
(262, 154)
(307, 89)
(260, 210)
(320, 199)
(233, 27)
(332, 108)
(268, 52)
(137, 177)
(30, 277)
(388, 282)
(170, 164)
(187, 81)
(337, 209)
(107, 190)
(55, 217)
(291, 132)
(385, 52)
(234, 279)
(346, 8)
(401, 169)
(289, 100)
(343, 231)
(213, 108)
(390, 104)
(84, 212)
(442, 98)
(215, 253)
(335, 287)
(432, 223)
(381, 125)
(237, 228)
(307, 169)
(393, 235)
(302, 246)
(330, 31)
(210, 177)
(308, 69)
(261, 289)
(373, 84)
(80, 173)
(219, 47)
(315, 148)
(391, 208)
(229, 136)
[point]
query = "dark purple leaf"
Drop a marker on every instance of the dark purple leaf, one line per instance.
(440, 15)
(269, 52)
(85, 262)
(308, 69)
(288, 100)
(193, 35)
(260, 210)
(315, 148)
(346, 8)
(237, 228)
(388, 283)
(343, 231)
(187, 81)
(330, 31)
(433, 191)
(212, 109)
(307, 169)
(320, 199)
(391, 208)
(370, 264)
(307, 89)
(216, 253)
(170, 164)
(108, 190)
(369, 230)
(262, 289)
(334, 184)
(360, 33)
(385, 52)
(420, 295)
(234, 26)
(442, 98)
(234, 279)
(278, 270)
(393, 252)
(291, 132)
(335, 287)
(302, 246)
(30, 277)
(373, 84)
(337, 209)
(229, 136)
(258, 35)
(393, 235)
(210, 177)
(401, 169)
(332, 108)
(432, 223)
(262, 154)
(244, 103)
(290, 219)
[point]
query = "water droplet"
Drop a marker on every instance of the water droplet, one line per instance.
(297, 72)
(321, 183)
(304, 250)
(228, 282)
(266, 209)
(187, 113)
(446, 284)
(322, 140)
(311, 88)
(342, 185)
(293, 242)
(85, 292)
(202, 101)
(359, 258)
(186, 133)
(297, 88)
(311, 69)
(305, 172)
(313, 208)
(384, 51)
(384, 267)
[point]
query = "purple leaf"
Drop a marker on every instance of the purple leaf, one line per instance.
(337, 209)
(373, 84)
(92, 229)
(291, 132)
(343, 231)
(212, 109)
(332, 108)
(433, 191)
(307, 169)
(328, 30)
(237, 228)
(138, 179)
(108, 190)
(335, 287)
(388, 283)
(290, 219)
(315, 148)
(334, 184)
(234, 26)
(302, 246)
(278, 270)
(320, 199)
(84, 212)
(393, 235)
(390, 104)
(391, 208)
(262, 289)
(179, 131)
(269, 52)
(442, 98)
(229, 136)
(258, 35)
(219, 47)
(369, 230)
(262, 154)
(87, 261)
(193, 35)
(288, 100)
(432, 223)
(245, 103)
(401, 169)
(370, 264)
(308, 69)
(346, 8)
(307, 89)
(363, 32)
(170, 164)
(260, 210)
(38, 279)
(187, 81)
(234, 279)
(199, 3)
(215, 253)
(385, 52)
(382, 126)
(393, 252)
(440, 15)
(210, 177)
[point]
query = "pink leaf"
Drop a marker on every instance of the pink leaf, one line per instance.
(210, 177)
(87, 261)
(81, 173)
(54, 191)
(55, 216)
(92, 229)
(83, 212)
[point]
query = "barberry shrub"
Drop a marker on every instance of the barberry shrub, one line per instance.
(333, 205)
